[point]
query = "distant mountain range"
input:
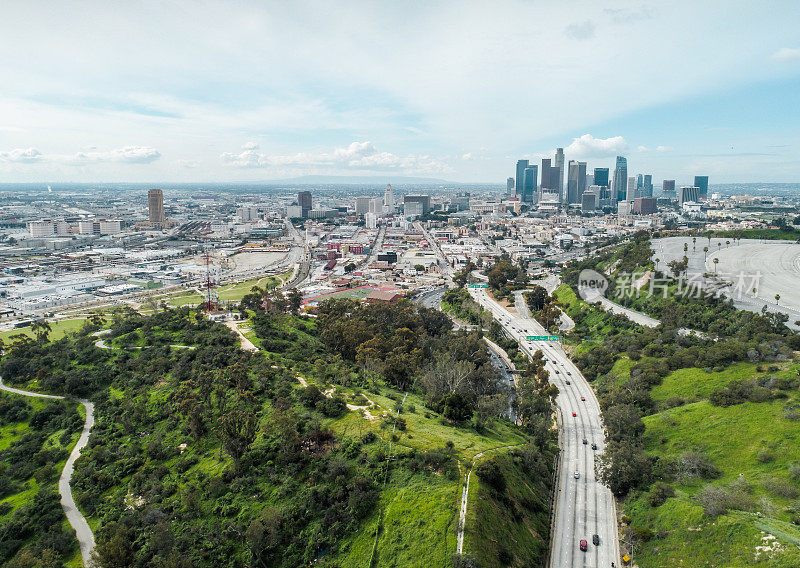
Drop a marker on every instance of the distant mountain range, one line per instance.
(320, 179)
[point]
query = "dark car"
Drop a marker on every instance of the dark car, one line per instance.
(569, 383)
(596, 540)
(594, 446)
(584, 545)
(585, 441)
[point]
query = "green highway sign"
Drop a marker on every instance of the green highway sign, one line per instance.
(477, 285)
(542, 338)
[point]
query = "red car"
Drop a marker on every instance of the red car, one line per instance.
(574, 414)
(584, 545)
(583, 398)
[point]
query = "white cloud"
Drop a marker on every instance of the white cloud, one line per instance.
(188, 163)
(664, 149)
(468, 157)
(356, 156)
(126, 155)
(642, 149)
(22, 156)
(587, 146)
(786, 54)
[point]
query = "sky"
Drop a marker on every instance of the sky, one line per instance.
(248, 91)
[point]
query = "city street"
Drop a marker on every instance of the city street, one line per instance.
(583, 507)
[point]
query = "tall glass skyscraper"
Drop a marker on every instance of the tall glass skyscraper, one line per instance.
(701, 182)
(521, 165)
(529, 183)
(601, 176)
(620, 180)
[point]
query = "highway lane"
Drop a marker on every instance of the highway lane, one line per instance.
(583, 507)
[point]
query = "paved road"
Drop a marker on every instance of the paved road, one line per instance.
(772, 267)
(610, 306)
(76, 519)
(583, 507)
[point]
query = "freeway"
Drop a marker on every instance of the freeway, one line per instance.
(583, 506)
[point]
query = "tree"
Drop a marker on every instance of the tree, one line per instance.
(295, 299)
(777, 297)
(716, 262)
(705, 253)
(114, 547)
(237, 428)
(349, 268)
(41, 329)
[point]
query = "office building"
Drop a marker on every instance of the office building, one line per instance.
(294, 212)
(701, 182)
(109, 226)
(510, 187)
(601, 177)
(630, 192)
(647, 187)
(304, 201)
(618, 191)
(639, 181)
(589, 180)
(530, 182)
(423, 200)
(388, 200)
(545, 173)
(559, 163)
(689, 194)
(248, 214)
(576, 181)
(521, 165)
(362, 205)
(668, 188)
(645, 205)
(460, 202)
(376, 206)
(590, 199)
(155, 202)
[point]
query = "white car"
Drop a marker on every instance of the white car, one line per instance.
(577, 474)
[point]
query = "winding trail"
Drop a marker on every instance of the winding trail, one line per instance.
(76, 519)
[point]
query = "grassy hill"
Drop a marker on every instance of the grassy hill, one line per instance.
(326, 447)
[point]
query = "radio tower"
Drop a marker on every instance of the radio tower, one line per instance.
(212, 299)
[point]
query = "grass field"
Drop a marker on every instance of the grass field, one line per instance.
(754, 445)
(59, 329)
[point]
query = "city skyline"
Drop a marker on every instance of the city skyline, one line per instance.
(228, 95)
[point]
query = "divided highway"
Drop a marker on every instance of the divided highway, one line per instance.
(584, 507)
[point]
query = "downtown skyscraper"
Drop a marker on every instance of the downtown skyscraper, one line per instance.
(576, 181)
(521, 165)
(619, 190)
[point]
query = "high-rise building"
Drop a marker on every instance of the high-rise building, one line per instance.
(388, 200)
(559, 163)
(647, 188)
(701, 182)
(530, 180)
(618, 191)
(576, 181)
(689, 193)
(601, 177)
(630, 193)
(155, 202)
(510, 186)
(645, 205)
(304, 201)
(589, 180)
(423, 200)
(639, 181)
(521, 165)
(668, 187)
(590, 199)
(545, 173)
(362, 205)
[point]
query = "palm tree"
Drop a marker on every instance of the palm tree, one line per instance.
(685, 247)
(777, 297)
(705, 253)
(716, 261)
(727, 243)
(694, 243)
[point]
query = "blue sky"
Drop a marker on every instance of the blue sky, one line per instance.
(213, 91)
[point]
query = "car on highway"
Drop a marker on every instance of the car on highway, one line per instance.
(584, 545)
(569, 373)
(585, 441)
(594, 446)
(557, 372)
(577, 474)
(583, 398)
(574, 414)
(569, 383)
(596, 540)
